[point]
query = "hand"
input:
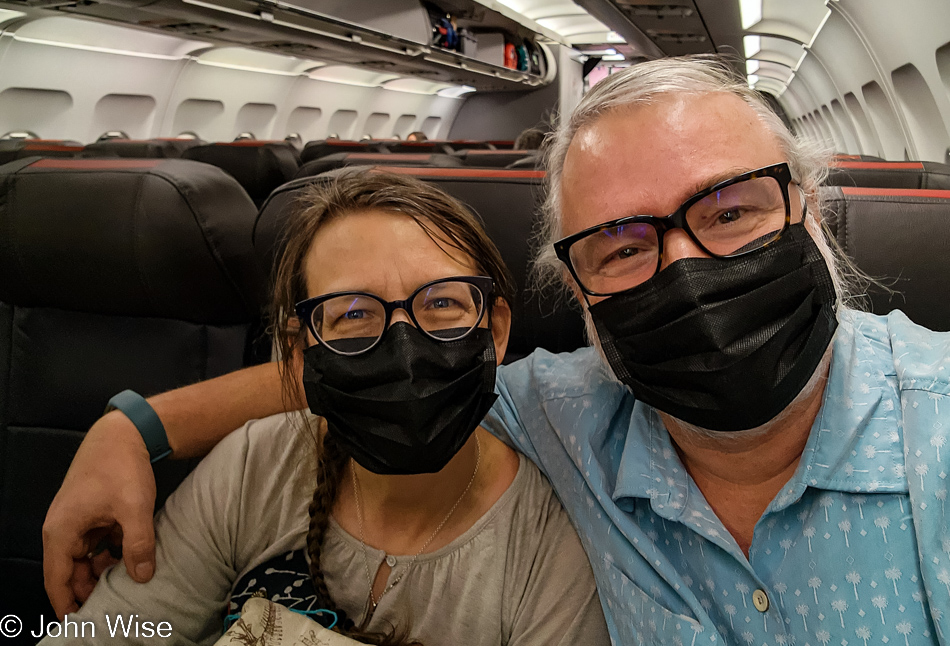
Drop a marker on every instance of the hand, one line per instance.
(109, 490)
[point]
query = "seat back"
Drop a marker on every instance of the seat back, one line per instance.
(900, 237)
(881, 174)
(114, 274)
(429, 146)
(140, 148)
(323, 147)
(491, 158)
(339, 160)
(507, 203)
(12, 149)
(258, 166)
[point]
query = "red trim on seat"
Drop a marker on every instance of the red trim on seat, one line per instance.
(498, 152)
(249, 142)
(872, 165)
(343, 142)
(53, 148)
(895, 192)
(463, 172)
(96, 164)
(391, 156)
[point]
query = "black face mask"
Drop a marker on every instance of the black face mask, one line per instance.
(725, 344)
(407, 405)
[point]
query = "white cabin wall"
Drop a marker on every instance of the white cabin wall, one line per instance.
(83, 87)
(876, 80)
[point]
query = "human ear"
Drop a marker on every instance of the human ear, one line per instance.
(500, 327)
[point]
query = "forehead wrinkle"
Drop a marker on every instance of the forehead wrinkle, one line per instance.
(647, 158)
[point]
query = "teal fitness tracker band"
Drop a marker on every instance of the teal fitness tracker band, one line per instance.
(145, 419)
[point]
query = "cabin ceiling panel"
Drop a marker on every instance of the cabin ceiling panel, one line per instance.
(90, 34)
(779, 50)
(798, 20)
(818, 79)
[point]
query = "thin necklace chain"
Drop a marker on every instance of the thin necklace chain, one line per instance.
(373, 602)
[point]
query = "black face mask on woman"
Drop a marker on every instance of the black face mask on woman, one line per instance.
(724, 344)
(407, 405)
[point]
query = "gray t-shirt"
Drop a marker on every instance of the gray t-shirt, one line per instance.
(518, 576)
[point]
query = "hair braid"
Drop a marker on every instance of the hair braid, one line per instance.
(331, 465)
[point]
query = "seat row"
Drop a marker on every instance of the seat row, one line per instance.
(150, 274)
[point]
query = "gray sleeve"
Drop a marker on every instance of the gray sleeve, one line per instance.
(558, 601)
(194, 538)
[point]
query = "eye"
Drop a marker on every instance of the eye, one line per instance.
(727, 217)
(441, 303)
(627, 252)
(354, 315)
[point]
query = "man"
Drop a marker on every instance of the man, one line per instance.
(745, 459)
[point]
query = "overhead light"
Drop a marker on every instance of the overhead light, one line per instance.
(751, 66)
(753, 79)
(613, 57)
(455, 91)
(751, 12)
(752, 45)
(614, 37)
(610, 51)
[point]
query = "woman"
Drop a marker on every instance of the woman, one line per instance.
(421, 529)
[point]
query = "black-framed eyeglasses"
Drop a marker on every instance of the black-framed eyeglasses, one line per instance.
(730, 219)
(353, 322)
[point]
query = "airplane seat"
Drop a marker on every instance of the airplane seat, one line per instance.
(428, 146)
(491, 158)
(339, 160)
(458, 145)
(114, 274)
(899, 236)
(881, 174)
(258, 166)
(533, 161)
(840, 157)
(140, 148)
(13, 149)
(501, 144)
(508, 203)
(323, 147)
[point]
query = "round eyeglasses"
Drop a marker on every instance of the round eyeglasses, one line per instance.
(351, 323)
(730, 219)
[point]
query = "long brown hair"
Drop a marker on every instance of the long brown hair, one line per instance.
(445, 220)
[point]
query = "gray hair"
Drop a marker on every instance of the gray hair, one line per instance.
(643, 84)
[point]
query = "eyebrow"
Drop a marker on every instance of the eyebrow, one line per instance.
(709, 182)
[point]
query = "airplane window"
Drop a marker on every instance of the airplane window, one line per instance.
(113, 134)
(295, 140)
(20, 134)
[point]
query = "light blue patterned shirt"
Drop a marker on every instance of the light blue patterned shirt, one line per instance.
(854, 550)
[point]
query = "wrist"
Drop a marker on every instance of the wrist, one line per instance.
(145, 420)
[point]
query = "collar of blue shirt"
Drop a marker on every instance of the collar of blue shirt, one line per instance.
(837, 457)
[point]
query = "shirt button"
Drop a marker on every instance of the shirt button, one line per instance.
(391, 562)
(760, 600)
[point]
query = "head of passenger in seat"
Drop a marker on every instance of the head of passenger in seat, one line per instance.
(416, 135)
(530, 139)
(402, 314)
(680, 208)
